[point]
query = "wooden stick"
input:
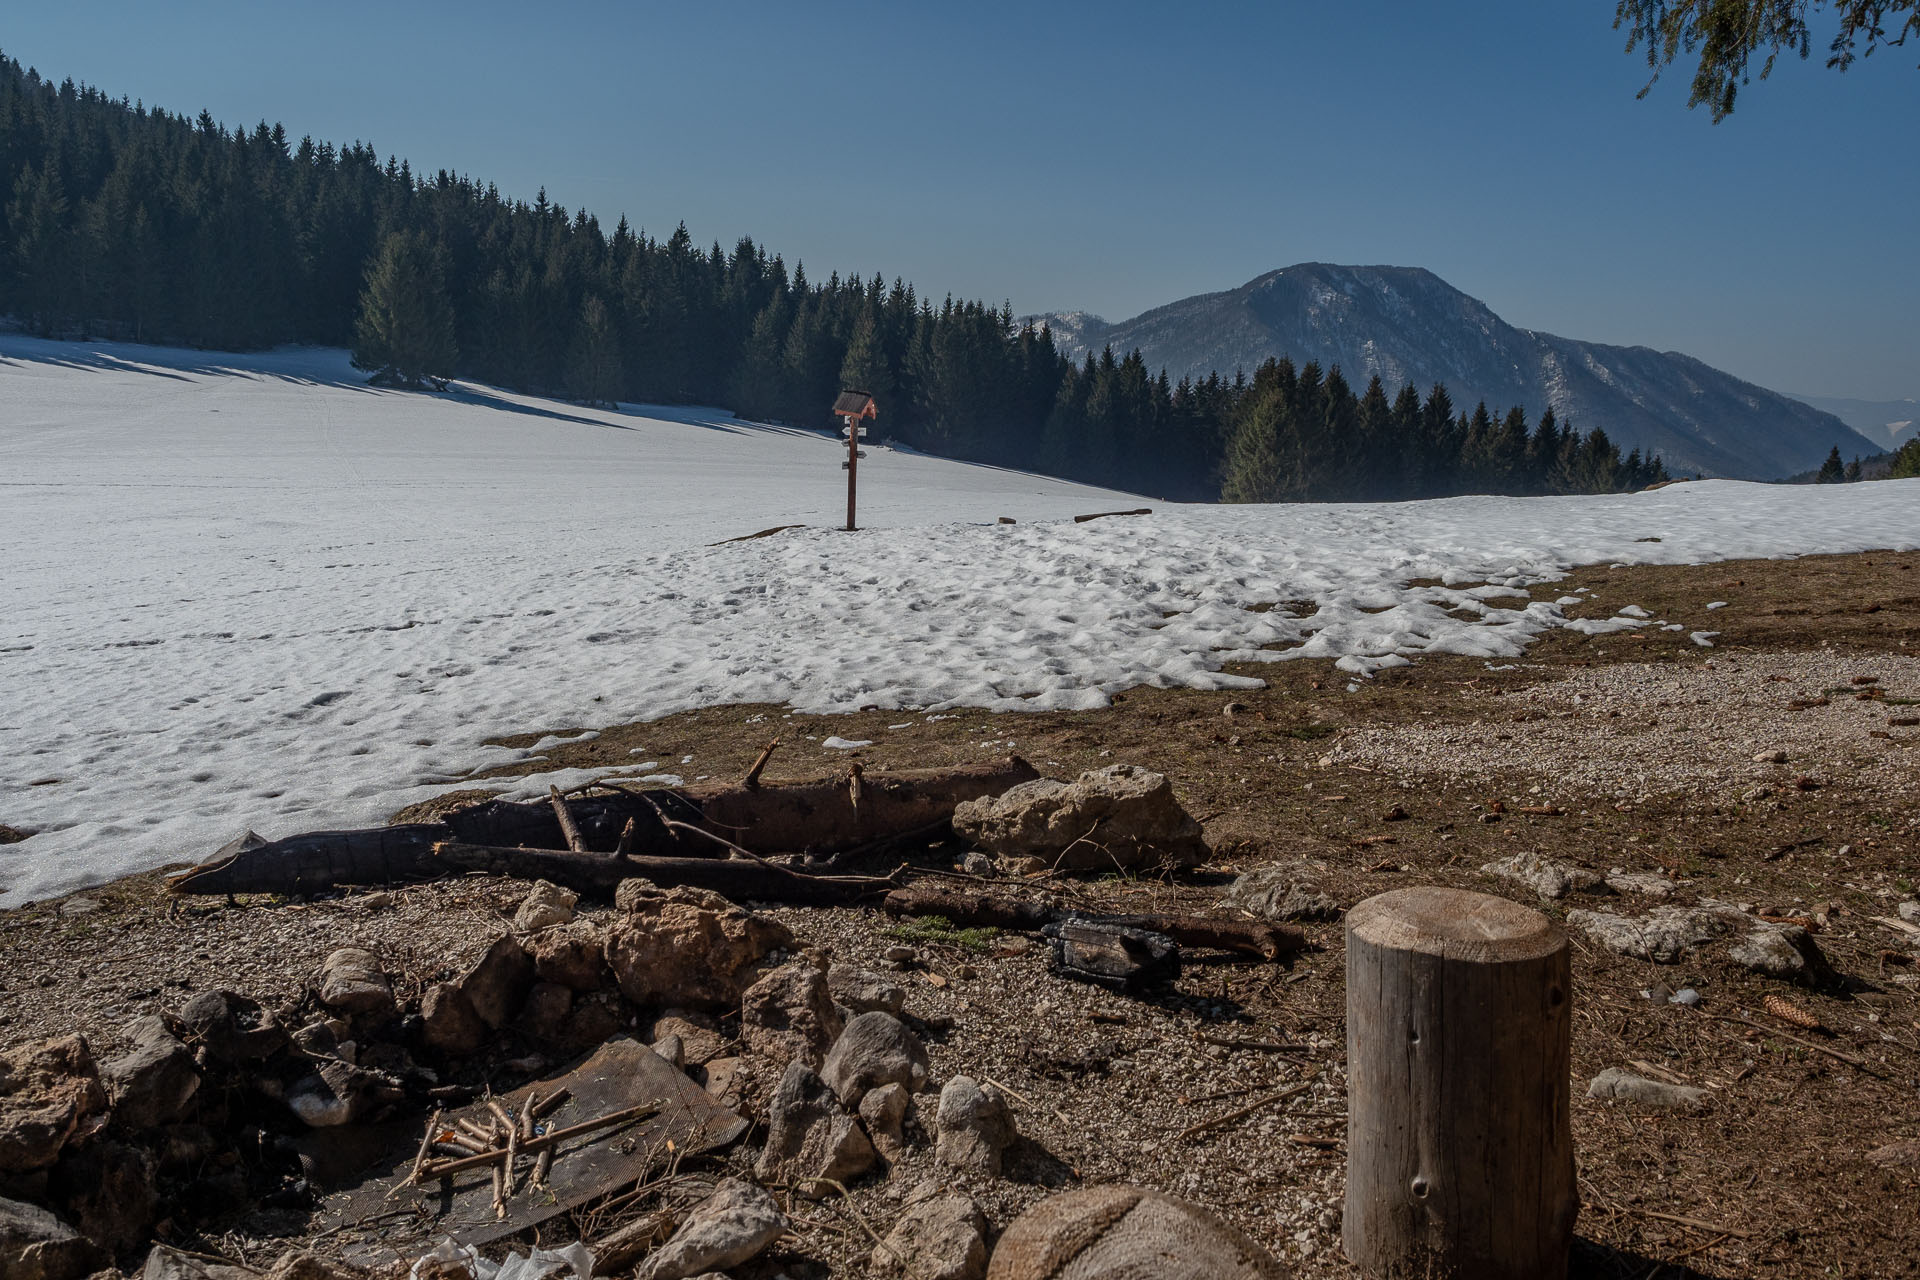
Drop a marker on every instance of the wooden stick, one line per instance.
(420, 1157)
(499, 1193)
(568, 827)
(483, 1136)
(549, 1104)
(1258, 1046)
(1249, 1109)
(513, 1142)
(752, 781)
(544, 1141)
(1101, 515)
(627, 839)
(1835, 1054)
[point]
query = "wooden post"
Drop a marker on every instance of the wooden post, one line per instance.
(853, 463)
(1459, 1139)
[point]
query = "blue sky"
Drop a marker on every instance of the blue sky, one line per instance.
(1116, 156)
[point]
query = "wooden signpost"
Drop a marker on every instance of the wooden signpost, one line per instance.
(856, 407)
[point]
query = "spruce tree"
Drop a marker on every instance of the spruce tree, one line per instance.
(593, 368)
(1832, 471)
(405, 331)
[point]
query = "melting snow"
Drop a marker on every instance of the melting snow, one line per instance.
(314, 606)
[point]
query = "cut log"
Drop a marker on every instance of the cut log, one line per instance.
(600, 874)
(766, 819)
(967, 910)
(1459, 1142)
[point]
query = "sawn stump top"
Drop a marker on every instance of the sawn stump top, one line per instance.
(1454, 924)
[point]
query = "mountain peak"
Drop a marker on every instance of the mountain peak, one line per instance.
(1407, 325)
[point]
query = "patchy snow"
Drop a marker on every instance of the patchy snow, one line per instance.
(248, 591)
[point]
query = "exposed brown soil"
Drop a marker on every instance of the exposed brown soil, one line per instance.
(1769, 1180)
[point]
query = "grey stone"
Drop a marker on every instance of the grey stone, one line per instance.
(1645, 883)
(1782, 951)
(810, 1138)
(340, 1093)
(154, 1082)
(864, 991)
(1551, 880)
(448, 1023)
(35, 1245)
(1910, 911)
(545, 906)
(351, 982)
(733, 1225)
(1663, 935)
(1118, 817)
(884, 1113)
(1111, 1232)
(497, 985)
(876, 1049)
(298, 1264)
(671, 1050)
(1617, 1083)
(234, 1029)
(789, 1016)
(170, 1264)
(977, 863)
(1282, 891)
(974, 1126)
(942, 1236)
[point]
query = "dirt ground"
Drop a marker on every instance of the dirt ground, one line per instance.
(1634, 750)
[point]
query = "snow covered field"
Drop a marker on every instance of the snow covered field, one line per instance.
(250, 591)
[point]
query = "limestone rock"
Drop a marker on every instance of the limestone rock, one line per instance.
(725, 1079)
(941, 1236)
(672, 1050)
(154, 1082)
(340, 1093)
(170, 1264)
(351, 982)
(789, 1016)
(35, 1245)
(698, 1033)
(1121, 816)
(733, 1225)
(105, 1189)
(448, 1023)
(573, 955)
(688, 946)
(1783, 951)
(864, 991)
(234, 1028)
(545, 906)
(1282, 891)
(1664, 935)
(497, 985)
(48, 1089)
(883, 1112)
(974, 1126)
(1120, 1233)
(1551, 880)
(298, 1264)
(1647, 883)
(809, 1137)
(1617, 1083)
(876, 1049)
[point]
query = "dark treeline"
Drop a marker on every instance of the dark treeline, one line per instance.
(125, 222)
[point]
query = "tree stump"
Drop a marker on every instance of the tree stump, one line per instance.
(1459, 1139)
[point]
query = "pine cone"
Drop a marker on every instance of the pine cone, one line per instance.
(1789, 1012)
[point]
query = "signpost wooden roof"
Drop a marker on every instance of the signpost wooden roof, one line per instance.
(854, 403)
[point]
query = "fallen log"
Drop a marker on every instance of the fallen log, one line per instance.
(600, 874)
(769, 818)
(1246, 937)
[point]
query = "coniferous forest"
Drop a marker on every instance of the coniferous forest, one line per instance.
(124, 222)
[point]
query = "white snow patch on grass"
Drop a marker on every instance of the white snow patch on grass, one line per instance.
(251, 591)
